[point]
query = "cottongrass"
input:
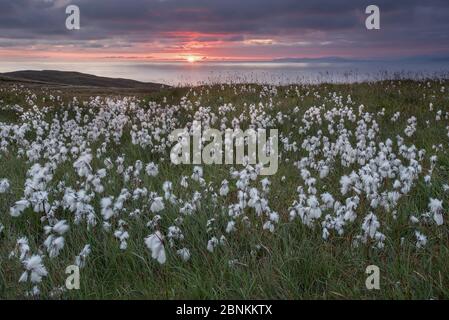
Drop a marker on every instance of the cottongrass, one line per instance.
(344, 177)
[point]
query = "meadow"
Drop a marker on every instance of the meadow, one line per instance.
(363, 180)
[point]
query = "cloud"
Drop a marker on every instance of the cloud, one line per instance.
(292, 27)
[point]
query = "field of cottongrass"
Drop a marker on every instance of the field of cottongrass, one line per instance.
(363, 180)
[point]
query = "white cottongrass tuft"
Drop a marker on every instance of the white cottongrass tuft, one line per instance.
(154, 242)
(19, 207)
(4, 185)
(34, 269)
(421, 239)
(60, 228)
(106, 208)
(184, 253)
(436, 208)
(152, 169)
(80, 260)
(157, 205)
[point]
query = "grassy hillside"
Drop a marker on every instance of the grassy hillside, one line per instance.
(363, 180)
(75, 81)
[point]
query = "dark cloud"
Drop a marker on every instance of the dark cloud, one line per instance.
(406, 23)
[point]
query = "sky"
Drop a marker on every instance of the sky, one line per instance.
(222, 30)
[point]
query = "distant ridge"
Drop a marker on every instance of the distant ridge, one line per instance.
(75, 79)
(318, 60)
(409, 59)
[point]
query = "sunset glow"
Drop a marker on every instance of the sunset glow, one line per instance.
(192, 59)
(194, 30)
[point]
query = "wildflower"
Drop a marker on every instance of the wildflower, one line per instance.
(22, 248)
(167, 186)
(314, 209)
(327, 199)
(54, 245)
(39, 201)
(421, 240)
(175, 232)
(106, 208)
(274, 216)
(197, 173)
(345, 183)
(212, 243)
(80, 260)
(414, 219)
(436, 208)
(4, 185)
(380, 240)
(184, 182)
(265, 185)
(61, 227)
(34, 292)
(106, 226)
(155, 244)
(224, 188)
(256, 202)
(152, 169)
(157, 204)
(19, 207)
(324, 172)
(35, 270)
(82, 165)
(230, 227)
(184, 253)
(123, 236)
(268, 226)
(325, 234)
(370, 225)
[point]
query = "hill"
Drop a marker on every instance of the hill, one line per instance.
(74, 79)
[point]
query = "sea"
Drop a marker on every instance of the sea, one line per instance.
(197, 73)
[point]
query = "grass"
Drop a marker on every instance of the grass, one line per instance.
(294, 262)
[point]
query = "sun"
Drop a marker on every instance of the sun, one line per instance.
(192, 59)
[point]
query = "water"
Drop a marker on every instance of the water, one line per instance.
(181, 73)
